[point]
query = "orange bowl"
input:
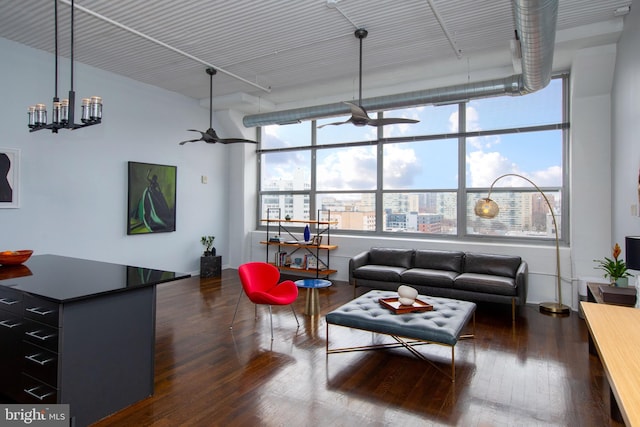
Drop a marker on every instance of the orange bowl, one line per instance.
(14, 257)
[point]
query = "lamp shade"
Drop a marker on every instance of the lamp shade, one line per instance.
(486, 208)
(632, 252)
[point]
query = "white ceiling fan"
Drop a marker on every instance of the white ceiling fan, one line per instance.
(359, 116)
(210, 136)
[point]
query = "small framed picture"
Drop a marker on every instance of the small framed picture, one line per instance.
(312, 262)
(316, 241)
(9, 178)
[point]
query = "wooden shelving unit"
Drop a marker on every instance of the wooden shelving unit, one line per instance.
(293, 244)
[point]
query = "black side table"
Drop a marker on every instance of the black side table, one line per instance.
(210, 266)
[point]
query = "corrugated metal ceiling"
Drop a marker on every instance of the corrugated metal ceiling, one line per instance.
(288, 46)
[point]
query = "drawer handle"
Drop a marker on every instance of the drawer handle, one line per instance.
(6, 301)
(34, 334)
(36, 310)
(34, 359)
(41, 397)
(7, 324)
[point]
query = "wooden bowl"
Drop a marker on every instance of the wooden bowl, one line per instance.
(14, 257)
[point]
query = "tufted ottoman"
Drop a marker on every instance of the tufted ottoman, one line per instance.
(443, 325)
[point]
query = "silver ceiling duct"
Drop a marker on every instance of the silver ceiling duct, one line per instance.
(535, 22)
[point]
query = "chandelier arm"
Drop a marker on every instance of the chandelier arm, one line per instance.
(555, 226)
(55, 42)
(72, 7)
(360, 75)
(210, 100)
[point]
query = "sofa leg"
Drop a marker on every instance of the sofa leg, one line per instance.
(513, 310)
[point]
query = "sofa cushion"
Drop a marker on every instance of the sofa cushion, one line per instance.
(485, 283)
(378, 272)
(391, 256)
(497, 265)
(427, 277)
(439, 260)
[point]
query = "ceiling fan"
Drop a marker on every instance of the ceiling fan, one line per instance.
(210, 136)
(359, 116)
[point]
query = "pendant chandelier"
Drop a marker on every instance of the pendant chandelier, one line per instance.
(63, 116)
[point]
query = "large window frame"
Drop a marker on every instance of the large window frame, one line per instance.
(465, 193)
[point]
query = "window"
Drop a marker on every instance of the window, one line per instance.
(424, 179)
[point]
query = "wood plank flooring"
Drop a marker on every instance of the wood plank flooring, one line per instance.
(536, 373)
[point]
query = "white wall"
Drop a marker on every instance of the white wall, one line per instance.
(590, 159)
(73, 185)
(626, 132)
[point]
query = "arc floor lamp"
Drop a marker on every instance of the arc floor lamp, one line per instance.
(487, 208)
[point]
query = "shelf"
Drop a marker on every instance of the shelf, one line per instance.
(325, 272)
(301, 245)
(291, 244)
(300, 221)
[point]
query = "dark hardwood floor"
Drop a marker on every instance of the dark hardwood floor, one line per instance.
(536, 373)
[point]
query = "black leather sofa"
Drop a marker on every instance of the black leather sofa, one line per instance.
(461, 275)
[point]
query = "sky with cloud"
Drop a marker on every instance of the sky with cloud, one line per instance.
(431, 164)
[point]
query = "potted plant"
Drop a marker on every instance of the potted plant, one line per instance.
(615, 269)
(207, 242)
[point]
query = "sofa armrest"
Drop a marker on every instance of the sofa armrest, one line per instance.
(521, 282)
(357, 261)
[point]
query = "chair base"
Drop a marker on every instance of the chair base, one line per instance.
(270, 315)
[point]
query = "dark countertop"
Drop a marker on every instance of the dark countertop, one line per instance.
(66, 279)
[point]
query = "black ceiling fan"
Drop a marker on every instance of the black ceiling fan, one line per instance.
(210, 136)
(359, 116)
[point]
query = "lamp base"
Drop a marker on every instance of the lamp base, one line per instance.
(554, 308)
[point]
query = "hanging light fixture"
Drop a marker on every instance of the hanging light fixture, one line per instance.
(63, 116)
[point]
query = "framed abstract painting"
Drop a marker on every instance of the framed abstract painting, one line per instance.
(9, 178)
(151, 204)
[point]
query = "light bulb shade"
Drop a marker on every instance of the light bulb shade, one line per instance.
(486, 208)
(632, 252)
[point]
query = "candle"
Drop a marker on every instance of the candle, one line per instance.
(85, 110)
(96, 108)
(40, 115)
(64, 111)
(55, 117)
(32, 116)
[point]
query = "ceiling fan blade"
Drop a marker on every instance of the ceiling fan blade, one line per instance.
(190, 140)
(235, 140)
(333, 124)
(390, 121)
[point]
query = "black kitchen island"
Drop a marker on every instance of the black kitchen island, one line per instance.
(78, 332)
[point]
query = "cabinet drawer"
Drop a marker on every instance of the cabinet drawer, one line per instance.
(41, 310)
(10, 300)
(40, 334)
(41, 364)
(34, 391)
(9, 322)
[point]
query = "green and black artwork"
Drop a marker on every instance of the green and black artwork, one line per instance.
(152, 198)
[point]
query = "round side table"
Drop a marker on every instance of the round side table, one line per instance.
(312, 305)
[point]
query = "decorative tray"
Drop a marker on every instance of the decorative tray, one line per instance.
(394, 305)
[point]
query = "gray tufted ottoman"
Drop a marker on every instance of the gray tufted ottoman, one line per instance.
(443, 325)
